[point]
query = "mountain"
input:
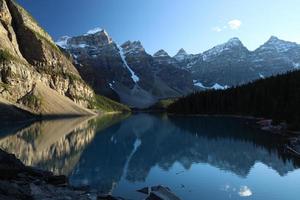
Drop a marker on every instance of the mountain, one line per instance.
(36, 76)
(181, 55)
(276, 98)
(232, 64)
(224, 65)
(126, 73)
(276, 56)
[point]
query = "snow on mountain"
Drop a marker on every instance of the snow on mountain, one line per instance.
(261, 75)
(230, 64)
(132, 48)
(296, 65)
(134, 77)
(161, 53)
(63, 41)
(216, 86)
(199, 84)
(280, 46)
(219, 87)
(219, 49)
(94, 30)
(181, 55)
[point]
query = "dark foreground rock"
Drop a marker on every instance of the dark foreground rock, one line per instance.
(158, 193)
(20, 182)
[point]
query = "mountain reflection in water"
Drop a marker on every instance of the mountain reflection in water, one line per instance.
(119, 154)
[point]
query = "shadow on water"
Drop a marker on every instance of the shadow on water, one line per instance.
(109, 151)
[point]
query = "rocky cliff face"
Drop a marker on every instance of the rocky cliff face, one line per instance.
(126, 73)
(28, 56)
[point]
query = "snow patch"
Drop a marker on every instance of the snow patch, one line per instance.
(261, 75)
(134, 77)
(63, 42)
(296, 65)
(216, 86)
(78, 46)
(93, 31)
(281, 46)
(198, 84)
(219, 87)
(219, 49)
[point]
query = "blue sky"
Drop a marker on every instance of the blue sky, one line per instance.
(195, 25)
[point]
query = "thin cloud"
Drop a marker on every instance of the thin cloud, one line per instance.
(217, 29)
(235, 24)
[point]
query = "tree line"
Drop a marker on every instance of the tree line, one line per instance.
(277, 97)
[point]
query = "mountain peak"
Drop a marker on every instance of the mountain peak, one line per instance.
(93, 38)
(274, 43)
(235, 41)
(134, 47)
(95, 30)
(161, 53)
(232, 45)
(273, 38)
(182, 51)
(181, 55)
(101, 33)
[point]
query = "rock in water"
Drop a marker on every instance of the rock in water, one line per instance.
(158, 193)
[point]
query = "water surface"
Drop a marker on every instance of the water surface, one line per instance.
(197, 157)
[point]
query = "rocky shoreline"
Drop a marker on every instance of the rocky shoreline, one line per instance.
(20, 182)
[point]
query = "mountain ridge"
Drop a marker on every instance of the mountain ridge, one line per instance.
(125, 72)
(223, 66)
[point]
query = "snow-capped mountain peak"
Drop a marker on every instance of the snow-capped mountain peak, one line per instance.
(133, 48)
(181, 55)
(94, 30)
(92, 39)
(161, 53)
(279, 45)
(231, 45)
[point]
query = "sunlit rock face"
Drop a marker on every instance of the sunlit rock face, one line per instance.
(29, 56)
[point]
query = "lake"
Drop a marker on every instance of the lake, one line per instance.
(212, 158)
